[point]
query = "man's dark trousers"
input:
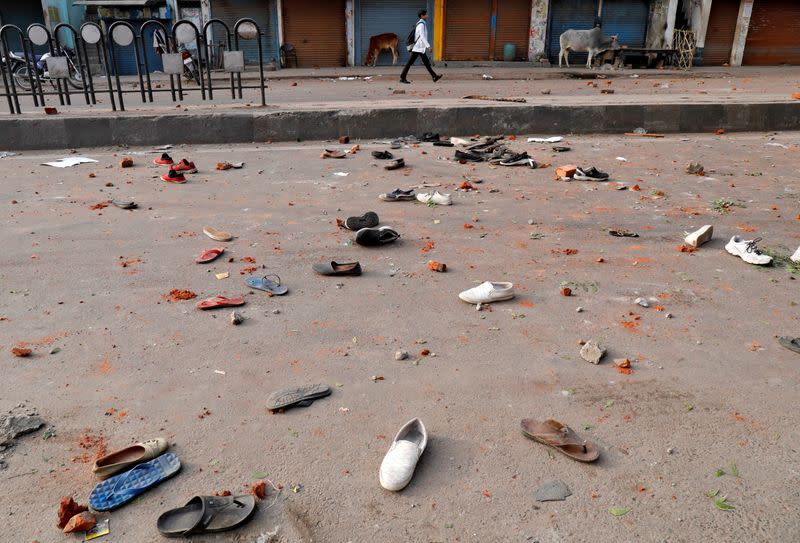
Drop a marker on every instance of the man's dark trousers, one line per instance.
(412, 59)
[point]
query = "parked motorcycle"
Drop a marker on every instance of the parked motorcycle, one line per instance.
(190, 69)
(24, 80)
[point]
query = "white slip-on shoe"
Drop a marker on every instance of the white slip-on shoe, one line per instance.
(699, 237)
(746, 250)
(488, 292)
(435, 197)
(796, 256)
(398, 465)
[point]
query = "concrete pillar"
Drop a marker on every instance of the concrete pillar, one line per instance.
(350, 32)
(537, 36)
(672, 12)
(658, 24)
(46, 13)
(700, 21)
(205, 11)
(438, 31)
(740, 34)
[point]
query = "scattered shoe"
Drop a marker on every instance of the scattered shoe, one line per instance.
(700, 236)
(372, 237)
(791, 343)
(430, 137)
(590, 174)
(398, 195)
(518, 159)
(796, 256)
(435, 197)
(335, 268)
(184, 166)
(207, 514)
(125, 204)
(328, 153)
(561, 149)
(395, 164)
(217, 235)
(367, 220)
(300, 396)
(443, 143)
(488, 292)
(209, 255)
(266, 284)
(562, 438)
(173, 177)
(217, 302)
(396, 145)
(468, 156)
(747, 251)
(165, 160)
(399, 464)
(623, 234)
(382, 155)
(129, 457)
(437, 77)
(125, 487)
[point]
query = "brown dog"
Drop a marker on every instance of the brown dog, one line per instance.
(379, 43)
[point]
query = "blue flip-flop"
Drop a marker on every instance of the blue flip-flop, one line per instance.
(123, 488)
(264, 283)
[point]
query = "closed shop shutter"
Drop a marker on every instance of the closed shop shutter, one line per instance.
(394, 16)
(774, 34)
(626, 19)
(569, 15)
(231, 11)
(21, 14)
(513, 26)
(721, 28)
(316, 28)
(467, 29)
(126, 57)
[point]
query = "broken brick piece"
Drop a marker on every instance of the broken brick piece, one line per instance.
(567, 171)
(67, 509)
(344, 139)
(622, 363)
(21, 352)
(126, 162)
(222, 166)
(81, 522)
(566, 291)
(259, 490)
(437, 266)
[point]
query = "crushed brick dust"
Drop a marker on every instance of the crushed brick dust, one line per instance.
(248, 259)
(340, 223)
(466, 185)
(67, 509)
(21, 352)
(564, 251)
(630, 326)
(129, 262)
(99, 205)
(222, 493)
(96, 444)
(259, 490)
(526, 303)
(468, 225)
(245, 271)
(683, 248)
(105, 366)
(176, 295)
(427, 247)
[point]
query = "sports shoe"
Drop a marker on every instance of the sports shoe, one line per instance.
(488, 292)
(437, 77)
(590, 174)
(468, 156)
(367, 220)
(165, 160)
(699, 237)
(518, 159)
(382, 155)
(435, 197)
(796, 256)
(398, 465)
(398, 195)
(746, 250)
(371, 237)
(173, 177)
(405, 81)
(184, 166)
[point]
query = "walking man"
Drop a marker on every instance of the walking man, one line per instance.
(420, 48)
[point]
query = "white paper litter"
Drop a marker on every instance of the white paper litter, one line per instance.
(622, 159)
(553, 139)
(69, 161)
(220, 372)
(162, 147)
(773, 144)
(4, 154)
(341, 174)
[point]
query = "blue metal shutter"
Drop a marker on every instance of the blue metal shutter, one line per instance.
(626, 19)
(570, 15)
(381, 16)
(231, 11)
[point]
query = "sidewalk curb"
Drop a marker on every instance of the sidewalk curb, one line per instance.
(262, 125)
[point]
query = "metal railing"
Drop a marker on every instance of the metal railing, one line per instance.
(25, 74)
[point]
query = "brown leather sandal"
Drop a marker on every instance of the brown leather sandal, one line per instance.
(560, 437)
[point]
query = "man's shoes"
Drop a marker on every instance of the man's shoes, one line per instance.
(435, 197)
(437, 77)
(747, 250)
(405, 81)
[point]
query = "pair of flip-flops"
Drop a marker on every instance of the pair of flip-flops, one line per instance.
(273, 287)
(207, 514)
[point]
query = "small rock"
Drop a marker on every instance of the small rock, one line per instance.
(55, 350)
(552, 491)
(695, 168)
(236, 318)
(566, 291)
(276, 311)
(579, 310)
(344, 139)
(622, 363)
(126, 162)
(592, 352)
(478, 306)
(642, 302)
(401, 355)
(531, 221)
(671, 450)
(668, 316)
(545, 91)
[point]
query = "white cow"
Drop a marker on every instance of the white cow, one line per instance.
(580, 41)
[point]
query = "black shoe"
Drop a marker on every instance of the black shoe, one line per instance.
(467, 156)
(429, 137)
(406, 81)
(367, 220)
(437, 78)
(443, 143)
(382, 155)
(371, 237)
(590, 174)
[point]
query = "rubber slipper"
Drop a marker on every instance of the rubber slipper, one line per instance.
(124, 204)
(125, 487)
(623, 234)
(395, 164)
(334, 268)
(219, 301)
(126, 458)
(333, 154)
(561, 438)
(367, 220)
(217, 235)
(296, 396)
(209, 255)
(263, 283)
(207, 514)
(791, 343)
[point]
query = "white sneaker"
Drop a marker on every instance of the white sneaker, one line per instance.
(435, 197)
(699, 237)
(746, 250)
(488, 292)
(398, 465)
(796, 256)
